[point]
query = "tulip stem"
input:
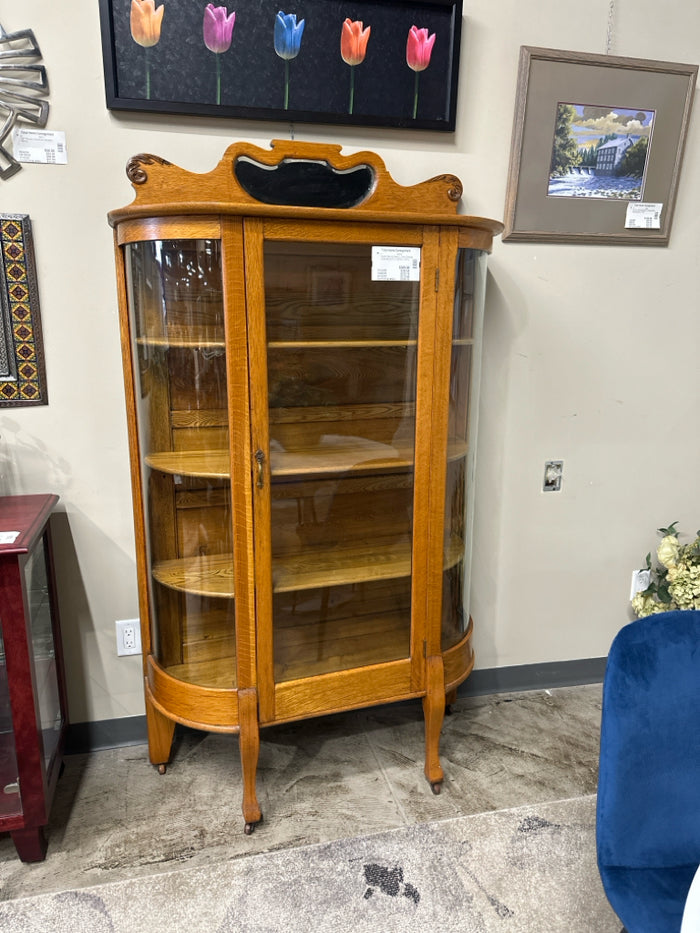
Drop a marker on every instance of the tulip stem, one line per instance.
(415, 95)
(148, 76)
(352, 88)
(218, 78)
(286, 84)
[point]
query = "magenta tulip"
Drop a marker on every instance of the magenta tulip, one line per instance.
(419, 48)
(218, 28)
(218, 32)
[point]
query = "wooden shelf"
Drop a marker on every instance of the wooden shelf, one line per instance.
(341, 644)
(356, 562)
(339, 455)
(209, 464)
(219, 674)
(193, 342)
(313, 649)
(201, 576)
(342, 344)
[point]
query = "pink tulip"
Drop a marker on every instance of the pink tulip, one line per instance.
(218, 28)
(419, 48)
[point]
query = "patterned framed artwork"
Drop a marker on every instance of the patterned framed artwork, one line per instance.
(22, 369)
(368, 63)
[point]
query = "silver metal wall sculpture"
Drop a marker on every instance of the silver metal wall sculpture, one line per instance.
(23, 86)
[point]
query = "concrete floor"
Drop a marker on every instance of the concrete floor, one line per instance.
(340, 776)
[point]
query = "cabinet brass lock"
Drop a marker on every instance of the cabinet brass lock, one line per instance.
(260, 460)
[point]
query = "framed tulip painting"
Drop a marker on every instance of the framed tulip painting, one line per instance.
(364, 62)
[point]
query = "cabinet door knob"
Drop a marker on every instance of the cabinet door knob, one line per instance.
(260, 461)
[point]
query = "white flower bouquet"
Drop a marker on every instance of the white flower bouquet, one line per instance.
(675, 582)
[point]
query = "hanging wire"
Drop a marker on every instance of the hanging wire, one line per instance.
(611, 22)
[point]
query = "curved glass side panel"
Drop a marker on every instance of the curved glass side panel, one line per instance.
(463, 409)
(175, 299)
(341, 360)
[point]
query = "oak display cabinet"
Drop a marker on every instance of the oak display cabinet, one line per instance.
(301, 353)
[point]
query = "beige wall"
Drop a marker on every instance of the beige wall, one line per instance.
(590, 352)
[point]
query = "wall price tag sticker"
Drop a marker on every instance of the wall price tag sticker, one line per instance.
(396, 263)
(640, 581)
(47, 147)
(643, 215)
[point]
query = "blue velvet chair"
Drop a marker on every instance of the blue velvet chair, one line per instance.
(648, 818)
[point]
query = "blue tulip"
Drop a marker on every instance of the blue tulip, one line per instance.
(288, 35)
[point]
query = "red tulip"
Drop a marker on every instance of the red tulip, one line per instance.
(419, 48)
(353, 42)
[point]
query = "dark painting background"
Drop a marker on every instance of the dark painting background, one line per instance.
(183, 70)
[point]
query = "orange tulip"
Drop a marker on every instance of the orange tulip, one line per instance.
(146, 22)
(353, 42)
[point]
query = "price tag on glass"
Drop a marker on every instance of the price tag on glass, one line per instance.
(396, 263)
(643, 215)
(47, 147)
(8, 537)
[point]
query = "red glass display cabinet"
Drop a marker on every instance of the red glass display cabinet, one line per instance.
(32, 687)
(301, 344)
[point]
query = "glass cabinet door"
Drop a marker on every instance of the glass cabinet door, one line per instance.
(341, 346)
(10, 800)
(174, 291)
(467, 327)
(43, 648)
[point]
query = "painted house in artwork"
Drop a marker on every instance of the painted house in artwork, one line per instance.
(610, 154)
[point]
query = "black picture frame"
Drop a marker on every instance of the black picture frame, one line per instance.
(182, 71)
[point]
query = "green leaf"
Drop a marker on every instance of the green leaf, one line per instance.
(648, 567)
(671, 530)
(663, 594)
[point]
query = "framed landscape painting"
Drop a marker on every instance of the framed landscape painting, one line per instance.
(597, 147)
(368, 62)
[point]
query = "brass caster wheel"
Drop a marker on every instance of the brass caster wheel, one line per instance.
(436, 787)
(162, 769)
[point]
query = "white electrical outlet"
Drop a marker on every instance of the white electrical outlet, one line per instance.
(128, 637)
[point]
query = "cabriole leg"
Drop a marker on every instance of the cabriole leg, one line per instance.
(434, 712)
(250, 749)
(160, 735)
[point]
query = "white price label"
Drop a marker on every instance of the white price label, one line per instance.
(47, 147)
(396, 263)
(643, 215)
(8, 537)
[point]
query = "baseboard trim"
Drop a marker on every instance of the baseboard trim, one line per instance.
(534, 677)
(84, 737)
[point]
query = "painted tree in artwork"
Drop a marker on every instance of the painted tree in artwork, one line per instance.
(565, 151)
(634, 160)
